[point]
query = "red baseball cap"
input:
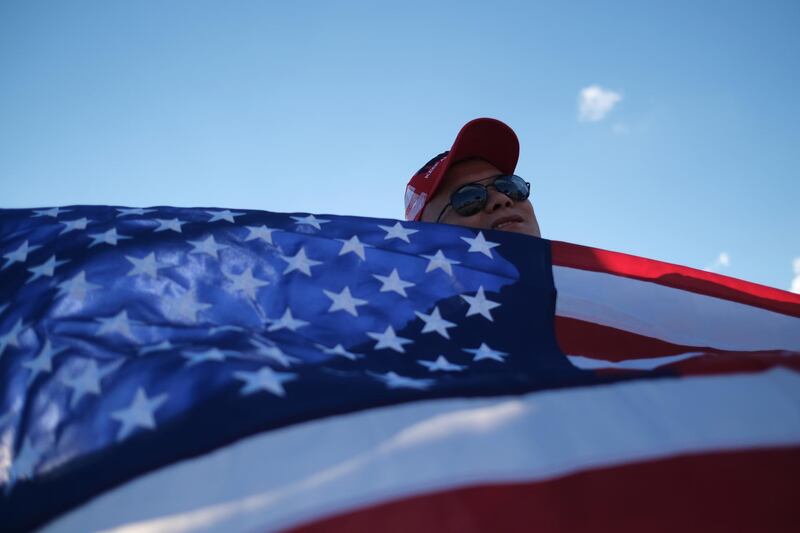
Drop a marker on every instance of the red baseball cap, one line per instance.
(484, 138)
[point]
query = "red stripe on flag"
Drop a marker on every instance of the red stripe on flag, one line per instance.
(578, 337)
(676, 276)
(738, 491)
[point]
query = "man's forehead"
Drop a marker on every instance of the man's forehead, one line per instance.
(464, 172)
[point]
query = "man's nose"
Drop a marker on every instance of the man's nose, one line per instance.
(496, 200)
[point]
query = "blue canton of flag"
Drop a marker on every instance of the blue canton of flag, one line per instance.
(131, 338)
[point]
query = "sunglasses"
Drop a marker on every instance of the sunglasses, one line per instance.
(471, 198)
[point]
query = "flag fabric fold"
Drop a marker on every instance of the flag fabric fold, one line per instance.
(209, 369)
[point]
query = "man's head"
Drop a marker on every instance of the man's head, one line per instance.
(484, 150)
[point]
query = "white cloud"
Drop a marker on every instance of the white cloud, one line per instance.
(594, 103)
(723, 260)
(796, 280)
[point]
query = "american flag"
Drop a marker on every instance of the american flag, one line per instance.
(217, 370)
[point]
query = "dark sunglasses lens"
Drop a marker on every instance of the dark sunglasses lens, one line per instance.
(468, 200)
(512, 186)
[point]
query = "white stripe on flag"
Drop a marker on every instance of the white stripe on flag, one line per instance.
(672, 315)
(588, 363)
(302, 473)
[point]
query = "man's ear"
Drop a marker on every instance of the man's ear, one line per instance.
(429, 213)
(425, 216)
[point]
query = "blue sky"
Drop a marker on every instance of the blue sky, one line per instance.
(329, 107)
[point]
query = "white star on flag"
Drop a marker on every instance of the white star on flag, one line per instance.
(228, 327)
(88, 381)
(480, 244)
(183, 308)
(344, 301)
(225, 214)
(353, 245)
(72, 225)
(396, 381)
(389, 339)
(397, 232)
(160, 347)
(265, 379)
(478, 304)
(392, 282)
(338, 350)
(207, 246)
(287, 321)
(484, 352)
(146, 265)
(125, 211)
(273, 352)
(108, 237)
(44, 361)
(24, 463)
(172, 225)
(442, 364)
(52, 212)
(246, 283)
(119, 323)
(260, 232)
(300, 262)
(46, 269)
(139, 414)
(76, 287)
(20, 255)
(212, 354)
(435, 322)
(11, 337)
(439, 260)
(310, 220)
